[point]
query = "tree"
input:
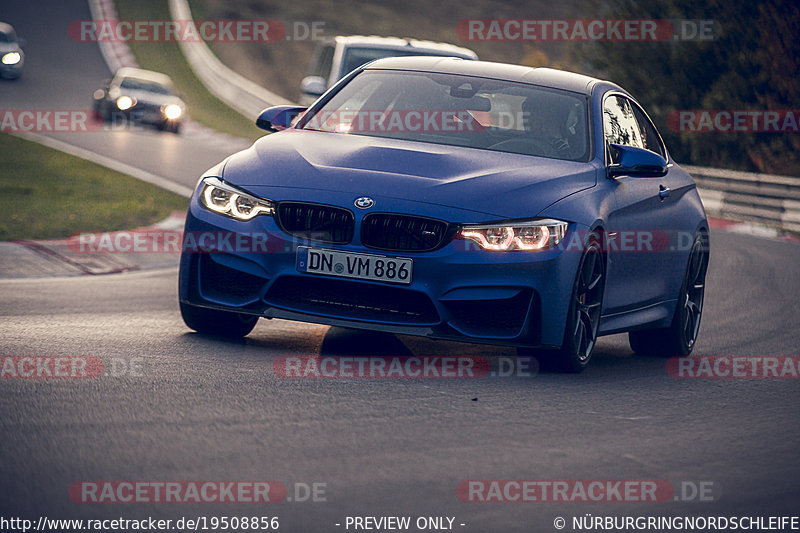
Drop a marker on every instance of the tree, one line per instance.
(749, 64)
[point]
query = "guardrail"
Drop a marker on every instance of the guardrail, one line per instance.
(764, 198)
(235, 90)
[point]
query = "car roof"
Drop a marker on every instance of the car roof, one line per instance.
(397, 43)
(8, 29)
(149, 75)
(547, 77)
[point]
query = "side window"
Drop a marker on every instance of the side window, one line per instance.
(619, 122)
(650, 137)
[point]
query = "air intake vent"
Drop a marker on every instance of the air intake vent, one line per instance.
(402, 232)
(313, 222)
(352, 300)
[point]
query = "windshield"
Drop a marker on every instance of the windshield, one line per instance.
(8, 37)
(355, 56)
(459, 111)
(134, 84)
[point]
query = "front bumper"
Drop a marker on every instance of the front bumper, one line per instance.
(144, 114)
(11, 71)
(457, 292)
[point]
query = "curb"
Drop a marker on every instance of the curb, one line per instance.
(58, 257)
(753, 229)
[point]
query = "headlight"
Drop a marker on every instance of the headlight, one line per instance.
(172, 111)
(11, 58)
(125, 102)
(515, 236)
(221, 198)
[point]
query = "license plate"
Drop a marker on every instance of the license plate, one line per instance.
(353, 265)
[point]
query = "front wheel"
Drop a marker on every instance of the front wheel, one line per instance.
(217, 323)
(680, 337)
(172, 127)
(583, 317)
(104, 112)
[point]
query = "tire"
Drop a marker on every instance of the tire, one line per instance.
(217, 323)
(105, 113)
(171, 127)
(680, 337)
(583, 316)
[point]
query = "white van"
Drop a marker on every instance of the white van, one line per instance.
(336, 57)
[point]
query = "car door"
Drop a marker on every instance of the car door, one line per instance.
(642, 222)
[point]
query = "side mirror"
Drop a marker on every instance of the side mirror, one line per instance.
(313, 86)
(278, 117)
(637, 162)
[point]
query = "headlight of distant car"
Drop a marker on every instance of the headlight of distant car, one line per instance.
(11, 58)
(515, 236)
(221, 198)
(125, 102)
(172, 111)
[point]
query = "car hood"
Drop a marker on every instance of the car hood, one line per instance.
(9, 47)
(498, 184)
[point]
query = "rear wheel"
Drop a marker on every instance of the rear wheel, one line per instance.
(583, 317)
(679, 338)
(217, 323)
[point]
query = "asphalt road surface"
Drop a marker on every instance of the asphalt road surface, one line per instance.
(172, 405)
(61, 74)
(175, 405)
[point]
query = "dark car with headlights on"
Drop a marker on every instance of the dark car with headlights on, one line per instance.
(12, 58)
(459, 200)
(142, 96)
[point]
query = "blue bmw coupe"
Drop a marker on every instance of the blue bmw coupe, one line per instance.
(460, 200)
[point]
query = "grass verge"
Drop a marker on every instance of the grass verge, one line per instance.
(166, 57)
(47, 194)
